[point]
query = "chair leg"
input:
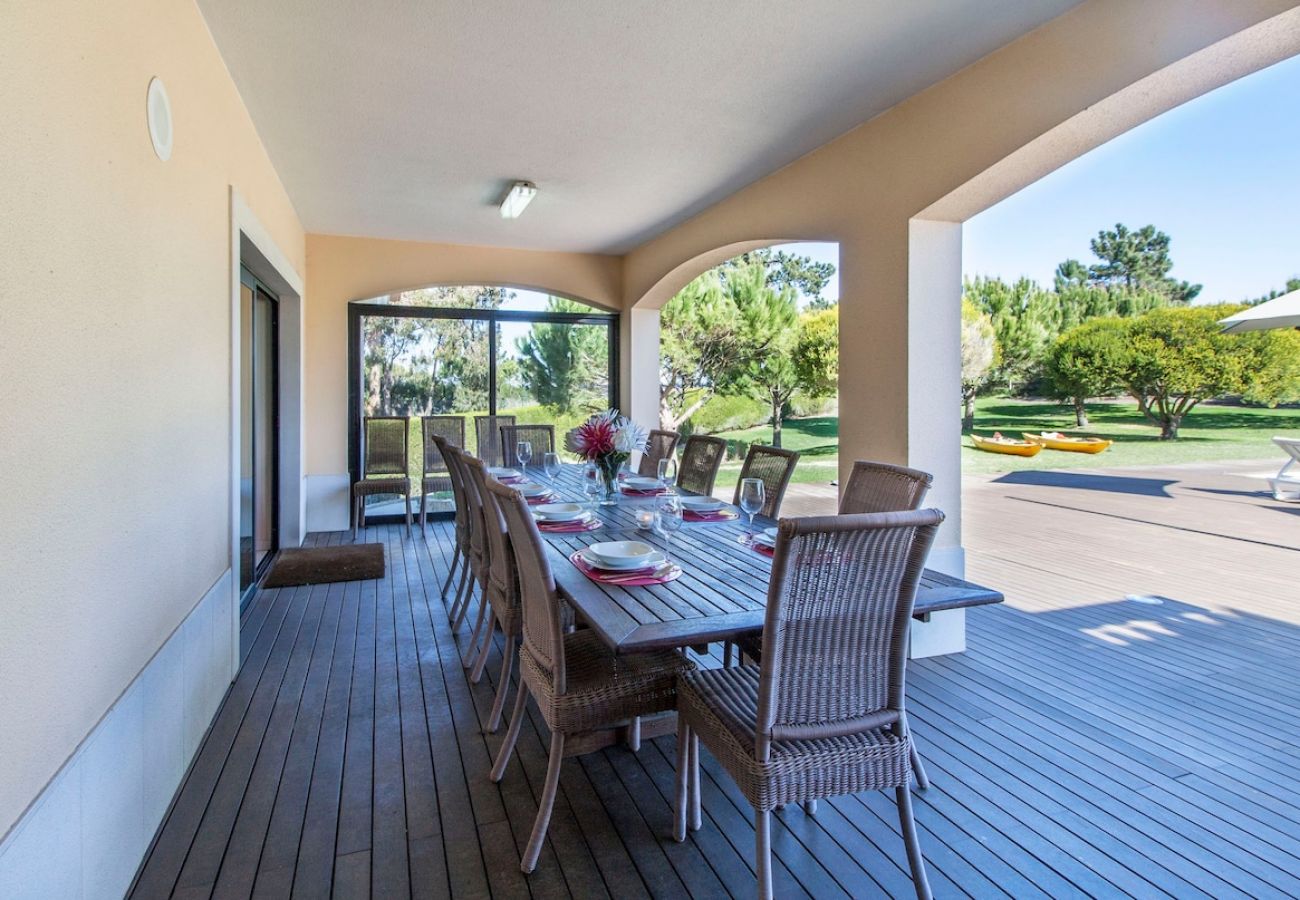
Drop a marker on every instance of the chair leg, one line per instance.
(361, 512)
(696, 818)
(498, 705)
(634, 734)
(424, 506)
(409, 533)
(512, 734)
(681, 781)
(454, 614)
(483, 606)
(763, 852)
(545, 805)
(356, 516)
(810, 807)
(480, 663)
(451, 573)
(914, 857)
(470, 584)
(922, 780)
(728, 649)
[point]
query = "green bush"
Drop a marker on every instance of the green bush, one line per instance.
(729, 414)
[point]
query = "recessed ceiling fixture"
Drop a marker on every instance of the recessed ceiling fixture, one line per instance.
(158, 109)
(520, 195)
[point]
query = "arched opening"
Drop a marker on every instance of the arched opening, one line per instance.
(466, 352)
(748, 351)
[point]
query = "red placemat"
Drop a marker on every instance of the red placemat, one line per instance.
(652, 492)
(569, 527)
(725, 515)
(752, 544)
(623, 579)
(510, 479)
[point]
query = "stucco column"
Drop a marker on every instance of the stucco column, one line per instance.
(639, 366)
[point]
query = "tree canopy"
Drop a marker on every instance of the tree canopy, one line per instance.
(979, 354)
(564, 366)
(1138, 261)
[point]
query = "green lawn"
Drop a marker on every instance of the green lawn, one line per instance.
(1209, 433)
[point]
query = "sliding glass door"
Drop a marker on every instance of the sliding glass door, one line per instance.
(471, 351)
(259, 424)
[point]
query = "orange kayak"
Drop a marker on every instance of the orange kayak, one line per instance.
(1008, 446)
(1054, 440)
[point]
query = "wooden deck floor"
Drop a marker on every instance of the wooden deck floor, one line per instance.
(1086, 745)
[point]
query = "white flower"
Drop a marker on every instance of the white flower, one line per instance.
(630, 436)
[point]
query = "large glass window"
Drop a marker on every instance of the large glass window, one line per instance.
(472, 351)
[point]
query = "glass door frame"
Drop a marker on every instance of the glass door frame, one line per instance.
(256, 285)
(359, 309)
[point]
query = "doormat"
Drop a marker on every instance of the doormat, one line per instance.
(321, 565)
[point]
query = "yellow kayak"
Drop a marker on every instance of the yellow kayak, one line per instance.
(1054, 440)
(999, 444)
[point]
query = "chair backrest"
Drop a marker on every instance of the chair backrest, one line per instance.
(542, 437)
(881, 487)
(384, 445)
(473, 504)
(543, 636)
(773, 466)
(502, 572)
(660, 446)
(701, 458)
(839, 606)
(487, 431)
(456, 475)
(449, 428)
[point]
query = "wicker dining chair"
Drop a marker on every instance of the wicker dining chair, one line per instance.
(383, 469)
(436, 476)
(487, 431)
(701, 459)
(578, 682)
(824, 714)
(881, 487)
(499, 601)
(660, 446)
(774, 467)
(463, 547)
(478, 554)
(542, 437)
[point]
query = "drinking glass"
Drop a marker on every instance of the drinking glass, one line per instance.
(751, 500)
(668, 519)
(551, 462)
(524, 453)
(667, 471)
(591, 483)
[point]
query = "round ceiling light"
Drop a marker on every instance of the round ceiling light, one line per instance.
(160, 119)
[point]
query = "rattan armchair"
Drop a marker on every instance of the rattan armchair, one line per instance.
(436, 476)
(473, 477)
(579, 684)
(660, 446)
(701, 459)
(774, 467)
(542, 438)
(384, 442)
(487, 432)
(824, 714)
(881, 487)
(461, 553)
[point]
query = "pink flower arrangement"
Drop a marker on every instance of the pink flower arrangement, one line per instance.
(607, 439)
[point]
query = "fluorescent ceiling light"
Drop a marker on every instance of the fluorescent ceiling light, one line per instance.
(521, 194)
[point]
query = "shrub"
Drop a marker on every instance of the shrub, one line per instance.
(728, 414)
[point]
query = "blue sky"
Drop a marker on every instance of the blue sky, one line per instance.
(1220, 175)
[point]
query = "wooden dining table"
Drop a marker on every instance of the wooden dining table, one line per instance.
(721, 594)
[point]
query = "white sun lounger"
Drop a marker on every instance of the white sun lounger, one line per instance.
(1286, 485)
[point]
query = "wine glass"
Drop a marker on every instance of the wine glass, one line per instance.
(667, 471)
(751, 500)
(591, 485)
(524, 453)
(668, 519)
(551, 462)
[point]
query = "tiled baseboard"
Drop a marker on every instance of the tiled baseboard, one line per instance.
(86, 834)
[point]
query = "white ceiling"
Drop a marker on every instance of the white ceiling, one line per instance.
(408, 119)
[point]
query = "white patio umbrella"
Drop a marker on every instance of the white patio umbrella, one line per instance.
(1280, 312)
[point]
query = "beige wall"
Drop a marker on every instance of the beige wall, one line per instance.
(343, 269)
(114, 355)
(969, 141)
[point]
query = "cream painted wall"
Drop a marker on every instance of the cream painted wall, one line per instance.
(951, 151)
(114, 355)
(343, 269)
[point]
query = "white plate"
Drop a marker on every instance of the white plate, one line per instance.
(653, 559)
(532, 489)
(622, 554)
(559, 512)
(641, 483)
(498, 472)
(702, 504)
